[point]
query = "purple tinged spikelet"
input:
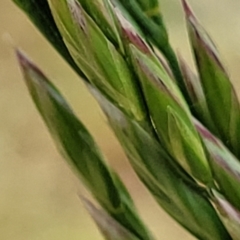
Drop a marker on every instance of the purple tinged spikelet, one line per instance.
(202, 37)
(218, 90)
(229, 214)
(130, 34)
(227, 209)
(219, 148)
(156, 80)
(225, 165)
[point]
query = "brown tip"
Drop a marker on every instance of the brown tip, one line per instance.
(136, 40)
(187, 9)
(130, 34)
(26, 64)
(22, 58)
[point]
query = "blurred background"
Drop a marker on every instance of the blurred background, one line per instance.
(38, 192)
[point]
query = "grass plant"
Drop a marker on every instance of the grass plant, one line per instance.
(180, 129)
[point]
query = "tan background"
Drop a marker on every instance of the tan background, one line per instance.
(38, 192)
